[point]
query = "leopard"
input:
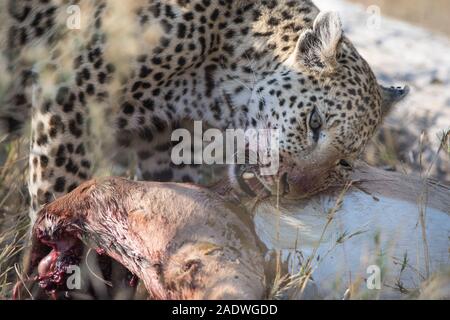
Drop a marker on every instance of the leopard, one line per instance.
(148, 67)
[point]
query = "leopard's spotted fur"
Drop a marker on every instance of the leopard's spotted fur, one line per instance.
(232, 64)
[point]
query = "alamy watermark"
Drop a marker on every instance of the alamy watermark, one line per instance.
(235, 146)
(374, 17)
(74, 19)
(373, 281)
(73, 282)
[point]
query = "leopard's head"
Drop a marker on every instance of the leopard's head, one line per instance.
(325, 103)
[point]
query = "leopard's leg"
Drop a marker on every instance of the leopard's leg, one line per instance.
(34, 53)
(59, 157)
(73, 82)
(28, 26)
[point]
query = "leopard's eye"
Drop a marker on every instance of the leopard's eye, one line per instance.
(315, 120)
(344, 163)
(315, 123)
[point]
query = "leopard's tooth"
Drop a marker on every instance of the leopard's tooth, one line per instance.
(248, 175)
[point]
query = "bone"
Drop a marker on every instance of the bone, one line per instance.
(248, 175)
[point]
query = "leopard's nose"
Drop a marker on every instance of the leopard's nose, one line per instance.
(299, 185)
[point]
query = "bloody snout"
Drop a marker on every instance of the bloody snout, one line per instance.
(300, 182)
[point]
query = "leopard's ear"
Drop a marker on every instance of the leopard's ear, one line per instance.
(316, 49)
(390, 96)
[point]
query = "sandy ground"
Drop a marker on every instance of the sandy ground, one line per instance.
(399, 54)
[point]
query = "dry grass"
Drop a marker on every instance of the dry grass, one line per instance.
(13, 210)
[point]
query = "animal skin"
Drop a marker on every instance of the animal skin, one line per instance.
(181, 240)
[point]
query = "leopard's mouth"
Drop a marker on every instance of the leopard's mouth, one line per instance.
(289, 184)
(255, 185)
